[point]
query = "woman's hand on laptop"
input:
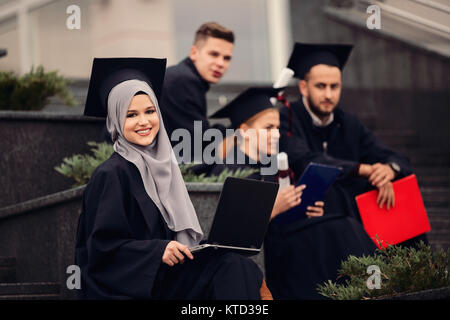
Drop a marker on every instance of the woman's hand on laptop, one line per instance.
(316, 210)
(287, 198)
(175, 252)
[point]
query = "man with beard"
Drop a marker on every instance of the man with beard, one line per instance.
(315, 129)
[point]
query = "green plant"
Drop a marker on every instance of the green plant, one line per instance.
(32, 90)
(80, 167)
(189, 176)
(402, 270)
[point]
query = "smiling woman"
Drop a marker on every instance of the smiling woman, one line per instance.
(142, 121)
(137, 221)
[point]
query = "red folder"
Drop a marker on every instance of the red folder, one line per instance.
(406, 220)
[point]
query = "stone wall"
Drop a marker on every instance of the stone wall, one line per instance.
(41, 233)
(33, 143)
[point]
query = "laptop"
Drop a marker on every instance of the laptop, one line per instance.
(242, 216)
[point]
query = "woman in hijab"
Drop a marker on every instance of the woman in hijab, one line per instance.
(137, 221)
(298, 255)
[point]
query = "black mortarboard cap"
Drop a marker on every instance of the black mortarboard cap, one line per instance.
(247, 104)
(109, 72)
(307, 55)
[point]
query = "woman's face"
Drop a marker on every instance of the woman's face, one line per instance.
(142, 122)
(266, 126)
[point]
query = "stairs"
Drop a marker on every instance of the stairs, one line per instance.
(432, 168)
(10, 289)
(412, 22)
(7, 269)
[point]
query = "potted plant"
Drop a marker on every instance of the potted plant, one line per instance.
(32, 90)
(393, 273)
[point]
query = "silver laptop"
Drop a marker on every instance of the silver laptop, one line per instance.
(242, 216)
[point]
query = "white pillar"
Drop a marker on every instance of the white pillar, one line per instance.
(24, 37)
(280, 35)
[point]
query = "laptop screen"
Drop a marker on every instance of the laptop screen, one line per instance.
(243, 213)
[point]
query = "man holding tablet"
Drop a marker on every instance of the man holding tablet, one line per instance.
(316, 129)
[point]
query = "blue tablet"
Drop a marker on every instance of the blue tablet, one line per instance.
(318, 179)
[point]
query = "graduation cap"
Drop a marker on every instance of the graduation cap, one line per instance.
(307, 55)
(247, 104)
(109, 72)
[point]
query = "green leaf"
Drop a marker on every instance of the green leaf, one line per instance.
(80, 167)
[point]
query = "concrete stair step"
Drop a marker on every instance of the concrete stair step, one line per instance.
(395, 138)
(425, 160)
(436, 197)
(434, 182)
(438, 213)
(440, 225)
(30, 297)
(421, 157)
(436, 176)
(34, 288)
(8, 269)
(433, 170)
(439, 236)
(7, 262)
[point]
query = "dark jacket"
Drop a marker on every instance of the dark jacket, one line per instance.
(184, 97)
(301, 255)
(348, 143)
(121, 239)
(119, 248)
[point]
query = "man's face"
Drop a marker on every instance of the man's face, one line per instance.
(212, 58)
(322, 89)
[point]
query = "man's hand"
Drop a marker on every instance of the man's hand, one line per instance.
(174, 253)
(287, 198)
(365, 170)
(316, 210)
(381, 174)
(386, 196)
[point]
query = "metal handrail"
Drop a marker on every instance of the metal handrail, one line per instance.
(413, 17)
(435, 5)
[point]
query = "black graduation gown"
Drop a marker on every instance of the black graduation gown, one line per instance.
(300, 255)
(184, 101)
(184, 97)
(122, 236)
(349, 143)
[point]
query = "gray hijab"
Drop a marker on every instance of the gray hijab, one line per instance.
(156, 164)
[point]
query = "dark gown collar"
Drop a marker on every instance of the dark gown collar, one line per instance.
(187, 61)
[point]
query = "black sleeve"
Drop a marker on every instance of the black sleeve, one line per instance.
(183, 102)
(373, 151)
(117, 264)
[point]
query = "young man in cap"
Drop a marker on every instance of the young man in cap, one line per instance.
(315, 129)
(186, 84)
